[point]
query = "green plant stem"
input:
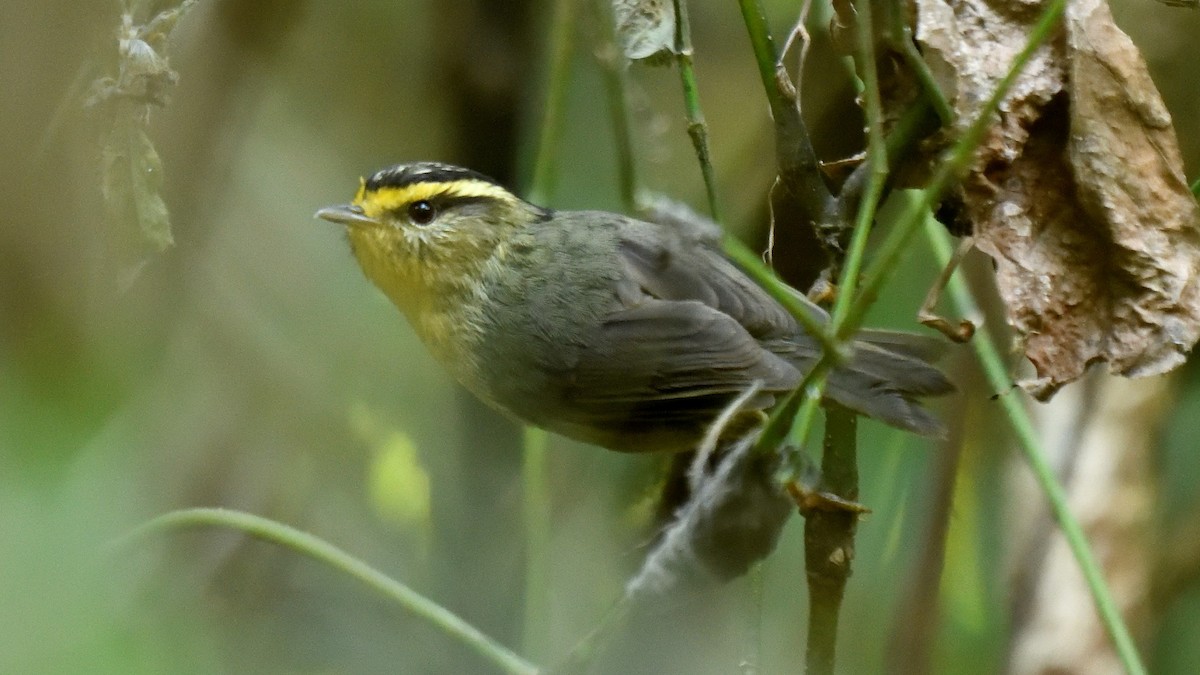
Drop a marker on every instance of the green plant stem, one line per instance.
(876, 177)
(536, 493)
(616, 85)
(558, 57)
(1031, 448)
(764, 52)
(535, 486)
(697, 127)
(1196, 188)
(877, 162)
(829, 535)
(914, 124)
(796, 412)
(902, 39)
(324, 552)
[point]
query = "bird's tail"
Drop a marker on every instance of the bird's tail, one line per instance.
(887, 374)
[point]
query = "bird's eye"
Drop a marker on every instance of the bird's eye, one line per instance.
(421, 212)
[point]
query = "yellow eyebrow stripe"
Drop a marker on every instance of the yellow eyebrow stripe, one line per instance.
(376, 202)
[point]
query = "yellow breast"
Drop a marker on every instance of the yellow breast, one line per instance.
(442, 302)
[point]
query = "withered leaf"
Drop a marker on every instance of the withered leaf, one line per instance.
(138, 222)
(646, 29)
(132, 184)
(1129, 179)
(1077, 192)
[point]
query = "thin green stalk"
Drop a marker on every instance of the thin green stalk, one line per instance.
(902, 38)
(829, 536)
(562, 33)
(697, 130)
(877, 158)
(324, 552)
(782, 101)
(915, 123)
(877, 161)
(1196, 188)
(799, 170)
(536, 490)
(796, 412)
(697, 127)
(536, 625)
(1031, 447)
(616, 85)
(764, 50)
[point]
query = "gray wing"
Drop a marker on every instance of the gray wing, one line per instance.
(691, 330)
(659, 351)
(656, 374)
(668, 265)
(682, 338)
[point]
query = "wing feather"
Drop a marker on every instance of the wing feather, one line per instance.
(672, 268)
(664, 350)
(688, 331)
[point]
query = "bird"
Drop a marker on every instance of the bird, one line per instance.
(618, 332)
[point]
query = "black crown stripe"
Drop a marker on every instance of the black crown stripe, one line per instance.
(402, 175)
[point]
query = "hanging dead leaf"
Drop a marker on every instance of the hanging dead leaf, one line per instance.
(1129, 176)
(646, 29)
(1077, 192)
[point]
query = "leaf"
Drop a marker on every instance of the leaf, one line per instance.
(131, 172)
(132, 178)
(145, 190)
(1077, 191)
(1129, 176)
(646, 29)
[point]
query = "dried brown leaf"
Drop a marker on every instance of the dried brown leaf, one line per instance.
(1077, 191)
(646, 29)
(1129, 179)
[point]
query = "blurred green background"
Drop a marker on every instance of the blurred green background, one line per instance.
(251, 366)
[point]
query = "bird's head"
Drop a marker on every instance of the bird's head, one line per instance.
(427, 229)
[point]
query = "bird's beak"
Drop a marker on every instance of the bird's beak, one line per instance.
(345, 214)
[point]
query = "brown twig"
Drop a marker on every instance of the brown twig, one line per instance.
(800, 191)
(829, 539)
